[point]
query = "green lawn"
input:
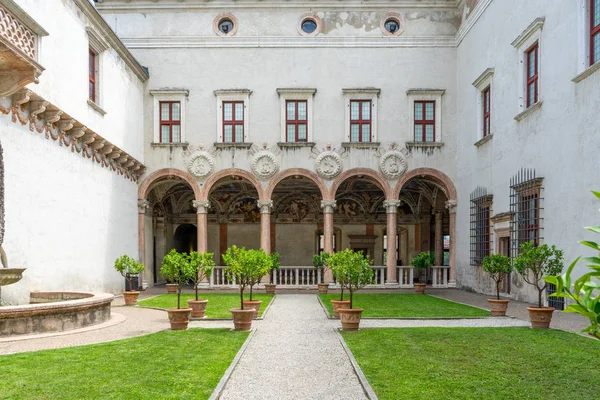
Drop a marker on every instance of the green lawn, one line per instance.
(477, 363)
(218, 304)
(406, 306)
(165, 365)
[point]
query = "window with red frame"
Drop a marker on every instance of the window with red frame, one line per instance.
(532, 74)
(486, 111)
(424, 121)
(594, 31)
(296, 121)
(92, 75)
(233, 121)
(170, 121)
(360, 120)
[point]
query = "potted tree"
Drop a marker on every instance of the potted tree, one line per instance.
(337, 272)
(275, 264)
(259, 270)
(533, 263)
(421, 262)
(128, 267)
(498, 266)
(242, 266)
(202, 265)
(177, 268)
(353, 270)
(320, 263)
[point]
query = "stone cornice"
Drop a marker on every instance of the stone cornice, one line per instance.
(105, 31)
(28, 108)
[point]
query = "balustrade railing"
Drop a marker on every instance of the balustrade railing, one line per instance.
(439, 276)
(297, 276)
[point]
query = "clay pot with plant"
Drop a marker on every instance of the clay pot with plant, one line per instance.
(320, 263)
(202, 264)
(177, 268)
(421, 262)
(275, 264)
(128, 268)
(246, 268)
(534, 263)
(352, 270)
(498, 266)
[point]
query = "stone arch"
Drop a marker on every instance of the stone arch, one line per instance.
(381, 182)
(214, 178)
(450, 189)
(166, 173)
(300, 172)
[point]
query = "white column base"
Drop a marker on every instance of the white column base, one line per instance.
(451, 284)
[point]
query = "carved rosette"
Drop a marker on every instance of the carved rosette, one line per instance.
(393, 164)
(328, 164)
(264, 165)
(201, 164)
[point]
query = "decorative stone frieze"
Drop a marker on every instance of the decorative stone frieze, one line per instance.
(328, 163)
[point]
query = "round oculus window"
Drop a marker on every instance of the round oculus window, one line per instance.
(309, 25)
(391, 25)
(226, 25)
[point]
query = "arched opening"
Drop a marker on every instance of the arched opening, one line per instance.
(185, 239)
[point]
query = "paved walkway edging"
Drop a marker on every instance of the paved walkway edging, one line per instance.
(369, 392)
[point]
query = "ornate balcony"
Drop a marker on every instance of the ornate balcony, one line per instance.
(19, 39)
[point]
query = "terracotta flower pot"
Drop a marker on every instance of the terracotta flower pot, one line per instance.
(171, 288)
(498, 307)
(179, 318)
(540, 317)
(419, 288)
(270, 288)
(131, 298)
(350, 318)
(198, 308)
(339, 304)
(242, 319)
(323, 288)
(253, 305)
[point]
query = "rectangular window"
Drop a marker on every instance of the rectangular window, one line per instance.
(296, 121)
(233, 121)
(360, 120)
(528, 218)
(532, 56)
(92, 75)
(594, 31)
(486, 111)
(170, 121)
(424, 121)
(481, 204)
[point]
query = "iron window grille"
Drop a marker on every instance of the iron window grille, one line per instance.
(481, 211)
(526, 199)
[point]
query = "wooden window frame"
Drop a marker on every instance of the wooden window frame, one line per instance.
(534, 79)
(360, 121)
(92, 75)
(233, 123)
(170, 123)
(296, 122)
(594, 31)
(424, 122)
(487, 106)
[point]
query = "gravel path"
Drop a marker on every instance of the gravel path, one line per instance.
(294, 354)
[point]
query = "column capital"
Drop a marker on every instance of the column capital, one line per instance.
(143, 204)
(264, 206)
(201, 206)
(451, 206)
(391, 206)
(328, 206)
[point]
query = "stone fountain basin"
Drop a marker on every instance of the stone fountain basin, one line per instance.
(55, 312)
(8, 276)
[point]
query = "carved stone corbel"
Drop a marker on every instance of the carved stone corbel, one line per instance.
(88, 138)
(107, 149)
(52, 116)
(37, 107)
(77, 132)
(21, 97)
(121, 160)
(115, 154)
(98, 144)
(65, 125)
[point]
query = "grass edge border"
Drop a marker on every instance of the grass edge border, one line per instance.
(369, 392)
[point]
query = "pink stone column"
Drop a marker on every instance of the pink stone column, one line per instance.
(202, 207)
(391, 207)
(265, 224)
(328, 207)
(439, 240)
(451, 206)
(143, 204)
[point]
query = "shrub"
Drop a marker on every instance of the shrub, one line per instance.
(423, 260)
(498, 266)
(128, 267)
(351, 270)
(178, 269)
(202, 264)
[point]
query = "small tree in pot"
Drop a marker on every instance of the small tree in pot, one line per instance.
(177, 268)
(421, 262)
(275, 264)
(202, 264)
(128, 267)
(320, 263)
(262, 263)
(498, 266)
(338, 271)
(243, 266)
(533, 263)
(353, 270)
